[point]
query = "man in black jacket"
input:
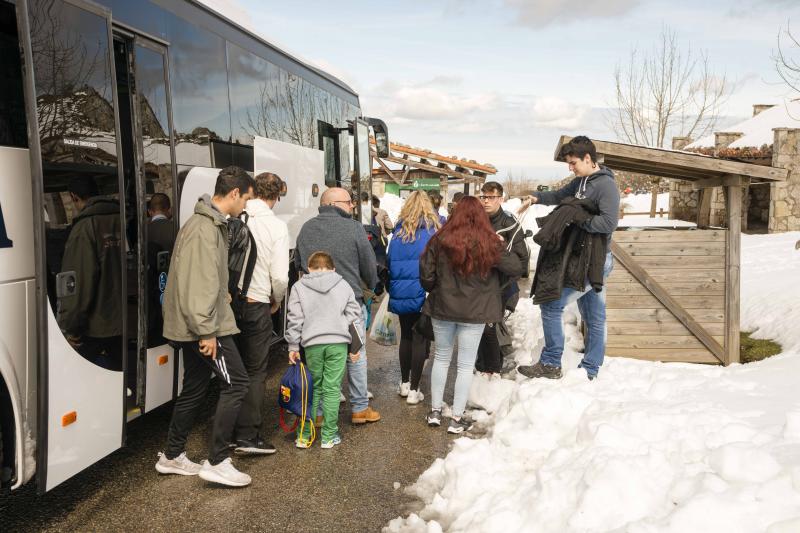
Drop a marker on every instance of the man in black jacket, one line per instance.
(593, 182)
(490, 356)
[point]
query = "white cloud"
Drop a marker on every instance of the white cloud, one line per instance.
(541, 13)
(554, 112)
(437, 99)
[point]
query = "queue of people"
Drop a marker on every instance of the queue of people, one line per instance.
(451, 281)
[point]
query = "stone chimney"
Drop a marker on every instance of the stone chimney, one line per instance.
(723, 138)
(679, 143)
(758, 108)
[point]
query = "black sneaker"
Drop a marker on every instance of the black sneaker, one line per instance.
(459, 426)
(540, 370)
(256, 446)
(434, 418)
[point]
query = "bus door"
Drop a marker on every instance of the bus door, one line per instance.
(148, 181)
(84, 237)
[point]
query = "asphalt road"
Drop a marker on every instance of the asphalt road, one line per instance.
(348, 489)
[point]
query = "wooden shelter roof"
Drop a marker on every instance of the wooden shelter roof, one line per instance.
(675, 164)
(454, 168)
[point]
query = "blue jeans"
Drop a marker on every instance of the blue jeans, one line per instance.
(592, 306)
(469, 337)
(357, 372)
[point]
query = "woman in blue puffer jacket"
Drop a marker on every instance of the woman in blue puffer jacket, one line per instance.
(416, 225)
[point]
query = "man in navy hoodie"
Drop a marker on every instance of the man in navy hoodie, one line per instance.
(594, 182)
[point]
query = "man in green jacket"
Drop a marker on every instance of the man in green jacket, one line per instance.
(198, 317)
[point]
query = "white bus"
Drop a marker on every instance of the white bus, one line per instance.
(107, 109)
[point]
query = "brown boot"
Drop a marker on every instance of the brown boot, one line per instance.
(367, 415)
(319, 421)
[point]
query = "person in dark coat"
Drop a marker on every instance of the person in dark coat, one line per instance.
(461, 269)
(596, 183)
(490, 356)
(416, 225)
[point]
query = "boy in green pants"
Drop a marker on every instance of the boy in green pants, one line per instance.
(322, 314)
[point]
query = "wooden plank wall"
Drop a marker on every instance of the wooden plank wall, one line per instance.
(690, 265)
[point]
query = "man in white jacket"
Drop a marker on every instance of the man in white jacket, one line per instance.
(264, 296)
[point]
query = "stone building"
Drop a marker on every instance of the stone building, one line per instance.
(770, 137)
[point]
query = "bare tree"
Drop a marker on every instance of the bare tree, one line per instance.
(666, 91)
(788, 67)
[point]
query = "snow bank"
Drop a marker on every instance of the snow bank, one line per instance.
(647, 447)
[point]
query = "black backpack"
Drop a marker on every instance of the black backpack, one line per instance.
(240, 240)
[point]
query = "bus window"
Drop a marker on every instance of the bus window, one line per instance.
(154, 119)
(199, 85)
(329, 144)
(84, 243)
(12, 101)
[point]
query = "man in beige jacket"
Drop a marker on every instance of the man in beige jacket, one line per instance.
(198, 317)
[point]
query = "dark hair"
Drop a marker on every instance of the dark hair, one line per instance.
(268, 186)
(159, 202)
(84, 187)
(492, 186)
(436, 200)
(231, 178)
(376, 202)
(468, 240)
(320, 260)
(578, 147)
(457, 197)
(364, 196)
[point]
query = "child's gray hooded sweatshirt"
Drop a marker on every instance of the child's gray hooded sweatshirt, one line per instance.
(321, 308)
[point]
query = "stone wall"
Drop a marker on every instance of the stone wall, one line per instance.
(682, 201)
(682, 198)
(784, 209)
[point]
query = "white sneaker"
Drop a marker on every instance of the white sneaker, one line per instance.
(224, 473)
(414, 397)
(181, 465)
(403, 389)
(369, 395)
(342, 397)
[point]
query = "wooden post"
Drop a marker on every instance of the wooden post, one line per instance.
(654, 198)
(733, 210)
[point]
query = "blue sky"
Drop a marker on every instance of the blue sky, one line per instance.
(498, 81)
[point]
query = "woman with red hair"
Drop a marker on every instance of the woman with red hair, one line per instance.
(461, 269)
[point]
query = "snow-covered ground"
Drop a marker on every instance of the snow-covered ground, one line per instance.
(647, 447)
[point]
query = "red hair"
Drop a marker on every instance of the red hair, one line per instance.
(468, 240)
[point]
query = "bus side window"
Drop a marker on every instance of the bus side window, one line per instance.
(13, 129)
(329, 144)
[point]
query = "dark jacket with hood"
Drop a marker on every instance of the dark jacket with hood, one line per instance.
(599, 187)
(471, 299)
(93, 253)
(335, 232)
(569, 255)
(508, 227)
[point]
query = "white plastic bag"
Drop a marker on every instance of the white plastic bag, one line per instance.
(384, 325)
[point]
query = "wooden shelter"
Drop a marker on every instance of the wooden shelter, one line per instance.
(417, 163)
(674, 293)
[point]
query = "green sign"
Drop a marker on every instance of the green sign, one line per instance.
(422, 184)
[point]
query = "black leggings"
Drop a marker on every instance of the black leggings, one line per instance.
(414, 350)
(490, 356)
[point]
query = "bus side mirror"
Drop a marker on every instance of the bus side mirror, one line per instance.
(381, 136)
